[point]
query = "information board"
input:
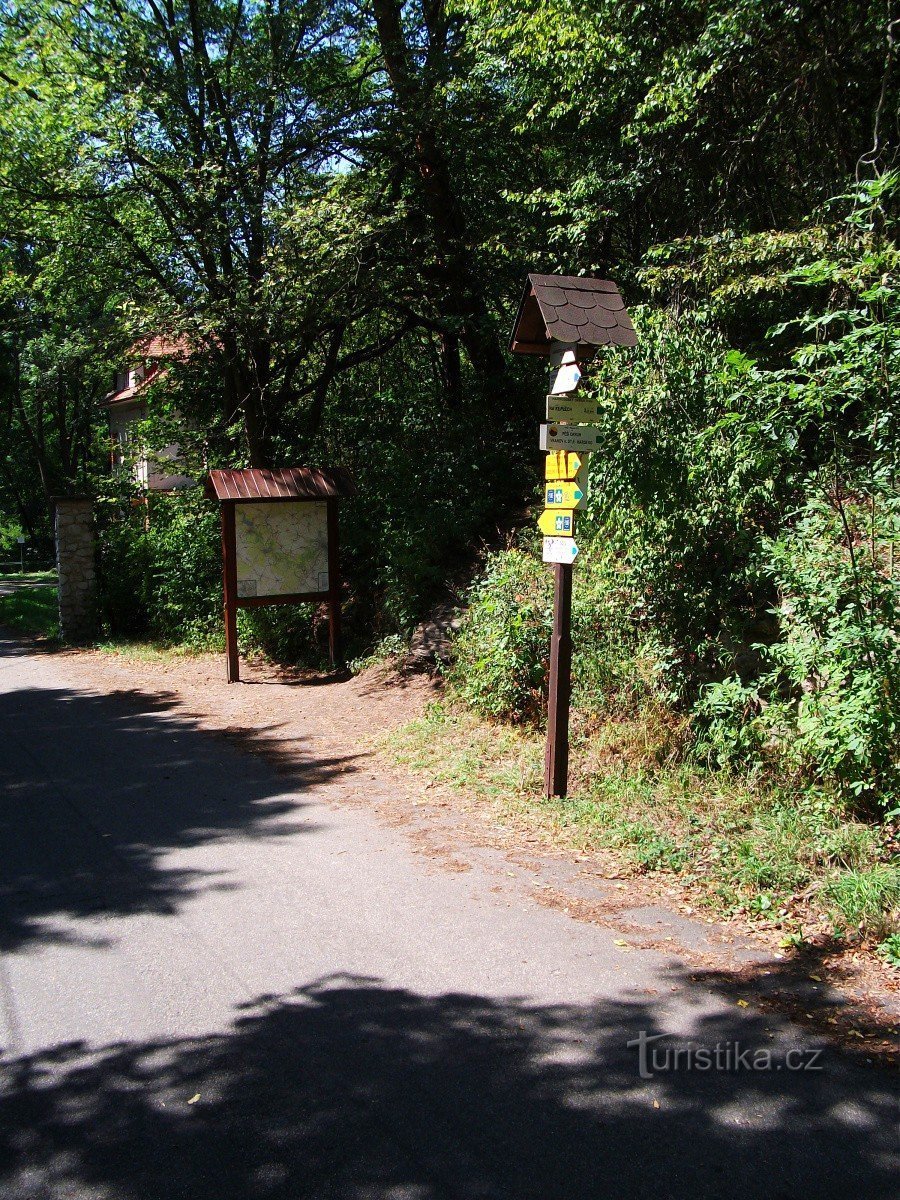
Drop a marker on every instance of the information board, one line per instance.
(281, 548)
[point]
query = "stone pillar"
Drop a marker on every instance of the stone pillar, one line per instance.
(75, 565)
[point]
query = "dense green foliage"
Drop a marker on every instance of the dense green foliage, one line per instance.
(160, 568)
(333, 205)
(745, 520)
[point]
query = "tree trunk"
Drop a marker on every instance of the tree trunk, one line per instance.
(462, 298)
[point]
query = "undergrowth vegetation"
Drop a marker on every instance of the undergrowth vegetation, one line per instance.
(736, 609)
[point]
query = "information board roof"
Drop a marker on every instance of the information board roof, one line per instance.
(280, 483)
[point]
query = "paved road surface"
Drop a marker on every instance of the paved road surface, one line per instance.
(218, 983)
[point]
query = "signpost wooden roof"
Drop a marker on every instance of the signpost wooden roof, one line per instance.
(573, 310)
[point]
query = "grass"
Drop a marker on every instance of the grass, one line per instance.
(31, 610)
(34, 611)
(869, 897)
(141, 651)
(792, 859)
(48, 576)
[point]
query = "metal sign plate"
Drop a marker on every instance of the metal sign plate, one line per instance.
(557, 521)
(559, 550)
(562, 495)
(569, 437)
(566, 409)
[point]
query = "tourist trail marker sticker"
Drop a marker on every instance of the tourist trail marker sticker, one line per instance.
(567, 319)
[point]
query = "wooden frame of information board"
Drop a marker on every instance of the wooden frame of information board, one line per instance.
(296, 485)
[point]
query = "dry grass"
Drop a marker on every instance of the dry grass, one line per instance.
(794, 862)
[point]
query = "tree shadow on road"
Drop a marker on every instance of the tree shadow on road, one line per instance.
(350, 1089)
(100, 793)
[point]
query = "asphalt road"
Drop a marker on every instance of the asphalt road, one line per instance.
(219, 981)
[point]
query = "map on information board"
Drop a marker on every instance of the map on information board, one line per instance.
(282, 548)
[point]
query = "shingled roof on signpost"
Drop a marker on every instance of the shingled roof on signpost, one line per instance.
(572, 310)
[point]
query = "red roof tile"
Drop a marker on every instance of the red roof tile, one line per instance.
(161, 347)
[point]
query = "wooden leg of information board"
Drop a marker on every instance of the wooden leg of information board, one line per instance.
(334, 587)
(229, 582)
(556, 759)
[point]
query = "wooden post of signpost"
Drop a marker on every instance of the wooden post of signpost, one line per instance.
(556, 758)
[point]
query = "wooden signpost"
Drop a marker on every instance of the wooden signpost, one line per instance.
(566, 318)
(279, 543)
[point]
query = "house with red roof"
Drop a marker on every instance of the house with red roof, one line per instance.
(155, 470)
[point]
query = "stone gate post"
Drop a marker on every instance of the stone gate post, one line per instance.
(74, 528)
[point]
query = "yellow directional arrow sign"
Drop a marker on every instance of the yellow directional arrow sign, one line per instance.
(562, 495)
(557, 522)
(561, 464)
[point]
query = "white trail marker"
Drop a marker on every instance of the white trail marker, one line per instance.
(559, 550)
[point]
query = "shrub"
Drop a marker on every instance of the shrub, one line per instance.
(501, 654)
(185, 594)
(160, 568)
(828, 704)
(501, 657)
